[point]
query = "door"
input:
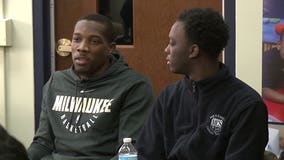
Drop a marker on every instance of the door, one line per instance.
(152, 20)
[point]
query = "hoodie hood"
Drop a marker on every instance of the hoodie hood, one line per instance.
(83, 87)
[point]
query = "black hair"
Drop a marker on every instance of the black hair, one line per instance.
(206, 28)
(10, 147)
(109, 29)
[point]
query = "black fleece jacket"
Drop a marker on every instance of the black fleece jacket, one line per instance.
(218, 118)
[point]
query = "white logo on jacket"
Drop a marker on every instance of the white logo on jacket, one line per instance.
(81, 104)
(75, 107)
(215, 126)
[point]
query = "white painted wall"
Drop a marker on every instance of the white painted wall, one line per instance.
(2, 73)
(249, 42)
(19, 72)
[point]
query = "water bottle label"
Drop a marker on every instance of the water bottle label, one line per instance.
(128, 157)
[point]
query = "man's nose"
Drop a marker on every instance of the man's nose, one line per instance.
(166, 49)
(83, 46)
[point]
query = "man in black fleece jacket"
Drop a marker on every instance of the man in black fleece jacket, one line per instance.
(210, 114)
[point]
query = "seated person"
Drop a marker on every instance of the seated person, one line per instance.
(10, 147)
(210, 114)
(89, 108)
(126, 14)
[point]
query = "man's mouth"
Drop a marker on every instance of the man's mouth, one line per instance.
(81, 60)
(168, 60)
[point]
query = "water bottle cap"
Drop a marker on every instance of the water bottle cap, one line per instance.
(127, 140)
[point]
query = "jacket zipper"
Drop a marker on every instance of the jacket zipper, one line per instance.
(193, 87)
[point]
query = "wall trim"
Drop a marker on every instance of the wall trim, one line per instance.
(41, 40)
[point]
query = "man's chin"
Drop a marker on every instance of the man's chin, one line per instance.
(80, 67)
(176, 71)
(173, 70)
(80, 70)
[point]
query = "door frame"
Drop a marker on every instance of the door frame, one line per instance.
(42, 49)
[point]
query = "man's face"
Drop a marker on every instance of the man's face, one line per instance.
(90, 48)
(178, 49)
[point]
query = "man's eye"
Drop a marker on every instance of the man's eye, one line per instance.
(95, 41)
(76, 39)
(171, 43)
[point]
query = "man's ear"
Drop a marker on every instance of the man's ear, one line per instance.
(112, 47)
(193, 51)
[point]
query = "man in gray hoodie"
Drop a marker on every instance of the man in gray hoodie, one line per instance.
(88, 108)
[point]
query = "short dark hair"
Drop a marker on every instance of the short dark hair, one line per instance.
(206, 28)
(10, 147)
(109, 29)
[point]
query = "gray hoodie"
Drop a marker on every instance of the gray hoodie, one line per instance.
(87, 119)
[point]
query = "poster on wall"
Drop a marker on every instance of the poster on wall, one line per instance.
(273, 59)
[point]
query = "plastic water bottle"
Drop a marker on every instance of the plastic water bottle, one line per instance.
(127, 150)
